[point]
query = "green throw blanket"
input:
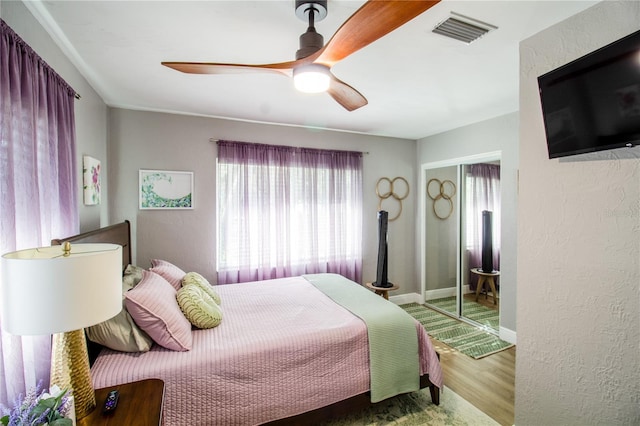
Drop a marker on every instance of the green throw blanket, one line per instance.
(393, 340)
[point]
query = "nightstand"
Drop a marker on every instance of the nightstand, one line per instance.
(139, 404)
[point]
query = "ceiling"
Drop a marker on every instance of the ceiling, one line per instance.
(417, 83)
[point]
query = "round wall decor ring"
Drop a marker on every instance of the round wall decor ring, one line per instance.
(397, 215)
(391, 193)
(442, 194)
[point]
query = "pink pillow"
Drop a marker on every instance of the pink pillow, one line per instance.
(153, 306)
(168, 271)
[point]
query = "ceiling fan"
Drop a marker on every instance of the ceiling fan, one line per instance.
(373, 20)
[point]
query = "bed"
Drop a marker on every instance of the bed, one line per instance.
(287, 351)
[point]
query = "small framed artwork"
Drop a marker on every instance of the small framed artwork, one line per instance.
(91, 180)
(160, 189)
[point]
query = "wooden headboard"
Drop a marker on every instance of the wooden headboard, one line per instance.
(115, 234)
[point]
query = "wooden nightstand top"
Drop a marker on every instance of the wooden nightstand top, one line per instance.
(140, 404)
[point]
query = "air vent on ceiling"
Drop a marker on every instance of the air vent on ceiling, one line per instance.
(463, 28)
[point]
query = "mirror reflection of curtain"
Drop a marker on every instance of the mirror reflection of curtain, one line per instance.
(482, 193)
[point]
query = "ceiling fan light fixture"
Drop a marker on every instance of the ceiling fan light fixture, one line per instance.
(311, 78)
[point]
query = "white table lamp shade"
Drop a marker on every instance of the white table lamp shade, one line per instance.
(44, 292)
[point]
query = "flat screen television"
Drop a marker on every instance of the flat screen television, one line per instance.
(593, 103)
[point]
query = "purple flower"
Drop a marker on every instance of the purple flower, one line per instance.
(37, 408)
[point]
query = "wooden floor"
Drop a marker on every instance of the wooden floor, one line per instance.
(488, 383)
(484, 300)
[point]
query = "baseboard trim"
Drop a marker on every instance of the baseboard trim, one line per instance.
(403, 299)
(508, 335)
(439, 293)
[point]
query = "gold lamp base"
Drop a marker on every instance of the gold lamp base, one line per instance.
(70, 370)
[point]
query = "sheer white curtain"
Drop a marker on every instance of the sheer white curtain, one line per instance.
(37, 185)
(285, 211)
(482, 193)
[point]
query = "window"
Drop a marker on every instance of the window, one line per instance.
(286, 211)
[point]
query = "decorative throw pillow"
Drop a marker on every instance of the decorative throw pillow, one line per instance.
(153, 306)
(168, 271)
(131, 276)
(200, 281)
(199, 308)
(121, 333)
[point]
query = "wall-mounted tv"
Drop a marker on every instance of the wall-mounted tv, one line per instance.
(593, 103)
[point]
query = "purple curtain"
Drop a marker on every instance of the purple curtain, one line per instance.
(37, 182)
(285, 211)
(483, 193)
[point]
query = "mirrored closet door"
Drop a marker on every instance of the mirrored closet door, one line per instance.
(457, 198)
(442, 242)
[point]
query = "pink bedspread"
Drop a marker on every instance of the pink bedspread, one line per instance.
(283, 348)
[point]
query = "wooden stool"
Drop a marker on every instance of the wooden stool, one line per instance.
(488, 277)
(382, 291)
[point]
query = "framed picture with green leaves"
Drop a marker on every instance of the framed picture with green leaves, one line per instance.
(162, 190)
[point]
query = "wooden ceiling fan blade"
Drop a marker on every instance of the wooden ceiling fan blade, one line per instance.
(346, 95)
(375, 19)
(285, 68)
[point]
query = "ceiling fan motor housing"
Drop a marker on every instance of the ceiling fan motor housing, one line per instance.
(310, 41)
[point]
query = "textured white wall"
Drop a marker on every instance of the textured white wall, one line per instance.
(578, 302)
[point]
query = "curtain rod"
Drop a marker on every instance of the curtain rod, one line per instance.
(214, 140)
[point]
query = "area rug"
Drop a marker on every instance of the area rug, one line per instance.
(416, 408)
(470, 340)
(474, 311)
